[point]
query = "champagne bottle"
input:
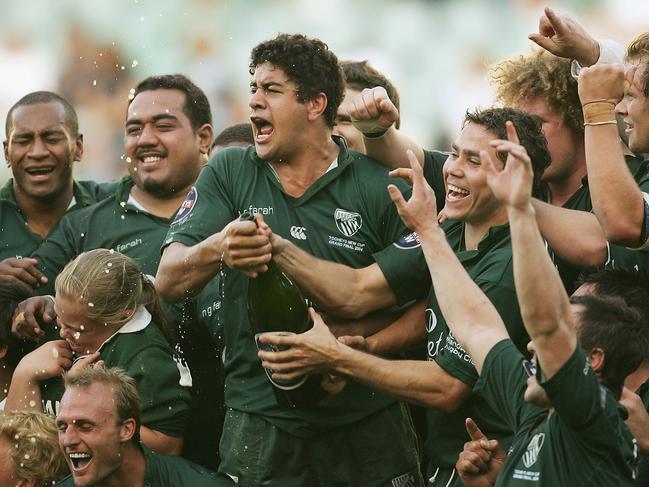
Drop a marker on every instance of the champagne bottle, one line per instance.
(276, 305)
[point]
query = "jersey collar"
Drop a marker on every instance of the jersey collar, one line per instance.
(140, 320)
(80, 195)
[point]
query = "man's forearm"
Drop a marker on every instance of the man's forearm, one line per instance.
(471, 317)
(416, 381)
(336, 288)
(403, 334)
(617, 199)
(390, 149)
(575, 236)
(184, 271)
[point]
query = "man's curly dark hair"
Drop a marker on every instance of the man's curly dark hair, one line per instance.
(530, 135)
(309, 64)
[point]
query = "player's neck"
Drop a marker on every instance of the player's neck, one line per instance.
(561, 190)
(300, 169)
(43, 214)
(163, 207)
(132, 470)
(475, 231)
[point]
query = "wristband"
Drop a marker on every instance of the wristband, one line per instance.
(369, 128)
(598, 111)
(607, 122)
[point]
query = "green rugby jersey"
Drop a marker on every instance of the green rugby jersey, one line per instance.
(114, 223)
(16, 238)
(584, 442)
(346, 216)
(490, 267)
(140, 349)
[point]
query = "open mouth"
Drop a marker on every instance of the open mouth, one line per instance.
(149, 160)
(79, 460)
(529, 368)
(263, 129)
(455, 193)
(39, 172)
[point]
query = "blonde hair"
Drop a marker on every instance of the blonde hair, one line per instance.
(34, 446)
(638, 50)
(521, 79)
(112, 287)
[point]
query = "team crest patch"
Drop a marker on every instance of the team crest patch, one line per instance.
(533, 450)
(187, 206)
(348, 222)
(405, 480)
(408, 241)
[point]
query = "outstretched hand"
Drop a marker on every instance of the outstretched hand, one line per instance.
(565, 37)
(419, 213)
(512, 185)
(480, 461)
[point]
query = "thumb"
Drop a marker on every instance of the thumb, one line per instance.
(396, 196)
(316, 318)
(544, 42)
(473, 430)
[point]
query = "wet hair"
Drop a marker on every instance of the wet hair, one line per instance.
(522, 79)
(240, 133)
(125, 395)
(34, 447)
(196, 107)
(638, 51)
(112, 287)
(626, 285)
(309, 64)
(361, 74)
(11, 294)
(530, 134)
(607, 322)
(71, 120)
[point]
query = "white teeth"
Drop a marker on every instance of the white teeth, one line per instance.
(456, 189)
(80, 455)
(151, 159)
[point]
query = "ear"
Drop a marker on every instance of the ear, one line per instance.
(25, 483)
(3, 351)
(597, 359)
(78, 147)
(5, 144)
(316, 106)
(127, 430)
(205, 134)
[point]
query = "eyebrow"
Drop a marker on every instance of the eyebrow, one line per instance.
(468, 152)
(155, 118)
(343, 118)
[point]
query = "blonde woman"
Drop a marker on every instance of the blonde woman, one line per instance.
(108, 311)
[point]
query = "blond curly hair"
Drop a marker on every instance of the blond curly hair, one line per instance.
(638, 51)
(34, 446)
(524, 78)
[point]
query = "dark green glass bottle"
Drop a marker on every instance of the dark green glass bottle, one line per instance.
(276, 305)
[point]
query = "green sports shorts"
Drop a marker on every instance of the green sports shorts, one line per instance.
(379, 451)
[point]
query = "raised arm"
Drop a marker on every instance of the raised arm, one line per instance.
(543, 302)
(470, 315)
(374, 115)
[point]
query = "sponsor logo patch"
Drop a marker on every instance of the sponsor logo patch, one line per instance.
(348, 222)
(186, 207)
(408, 241)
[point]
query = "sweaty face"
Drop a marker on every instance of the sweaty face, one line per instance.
(634, 109)
(276, 115)
(83, 335)
(89, 434)
(345, 128)
(40, 150)
(162, 150)
(468, 198)
(562, 142)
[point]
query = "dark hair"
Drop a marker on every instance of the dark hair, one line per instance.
(309, 64)
(530, 134)
(607, 322)
(197, 106)
(240, 133)
(71, 120)
(11, 294)
(361, 74)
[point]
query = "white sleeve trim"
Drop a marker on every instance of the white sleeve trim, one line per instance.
(610, 52)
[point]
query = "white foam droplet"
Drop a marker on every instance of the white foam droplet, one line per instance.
(32, 404)
(55, 353)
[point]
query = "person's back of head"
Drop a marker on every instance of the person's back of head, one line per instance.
(361, 74)
(309, 64)
(238, 135)
(530, 135)
(30, 441)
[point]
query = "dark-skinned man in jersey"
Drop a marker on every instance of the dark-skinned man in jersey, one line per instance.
(478, 232)
(309, 188)
(42, 143)
(568, 428)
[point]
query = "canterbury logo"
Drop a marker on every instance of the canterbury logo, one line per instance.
(533, 450)
(348, 222)
(298, 233)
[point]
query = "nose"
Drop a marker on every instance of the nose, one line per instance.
(530, 347)
(621, 107)
(148, 136)
(256, 99)
(38, 149)
(69, 437)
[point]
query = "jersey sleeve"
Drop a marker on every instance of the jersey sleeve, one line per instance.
(61, 246)
(165, 403)
(503, 382)
(208, 207)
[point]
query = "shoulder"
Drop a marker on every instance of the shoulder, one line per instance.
(176, 471)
